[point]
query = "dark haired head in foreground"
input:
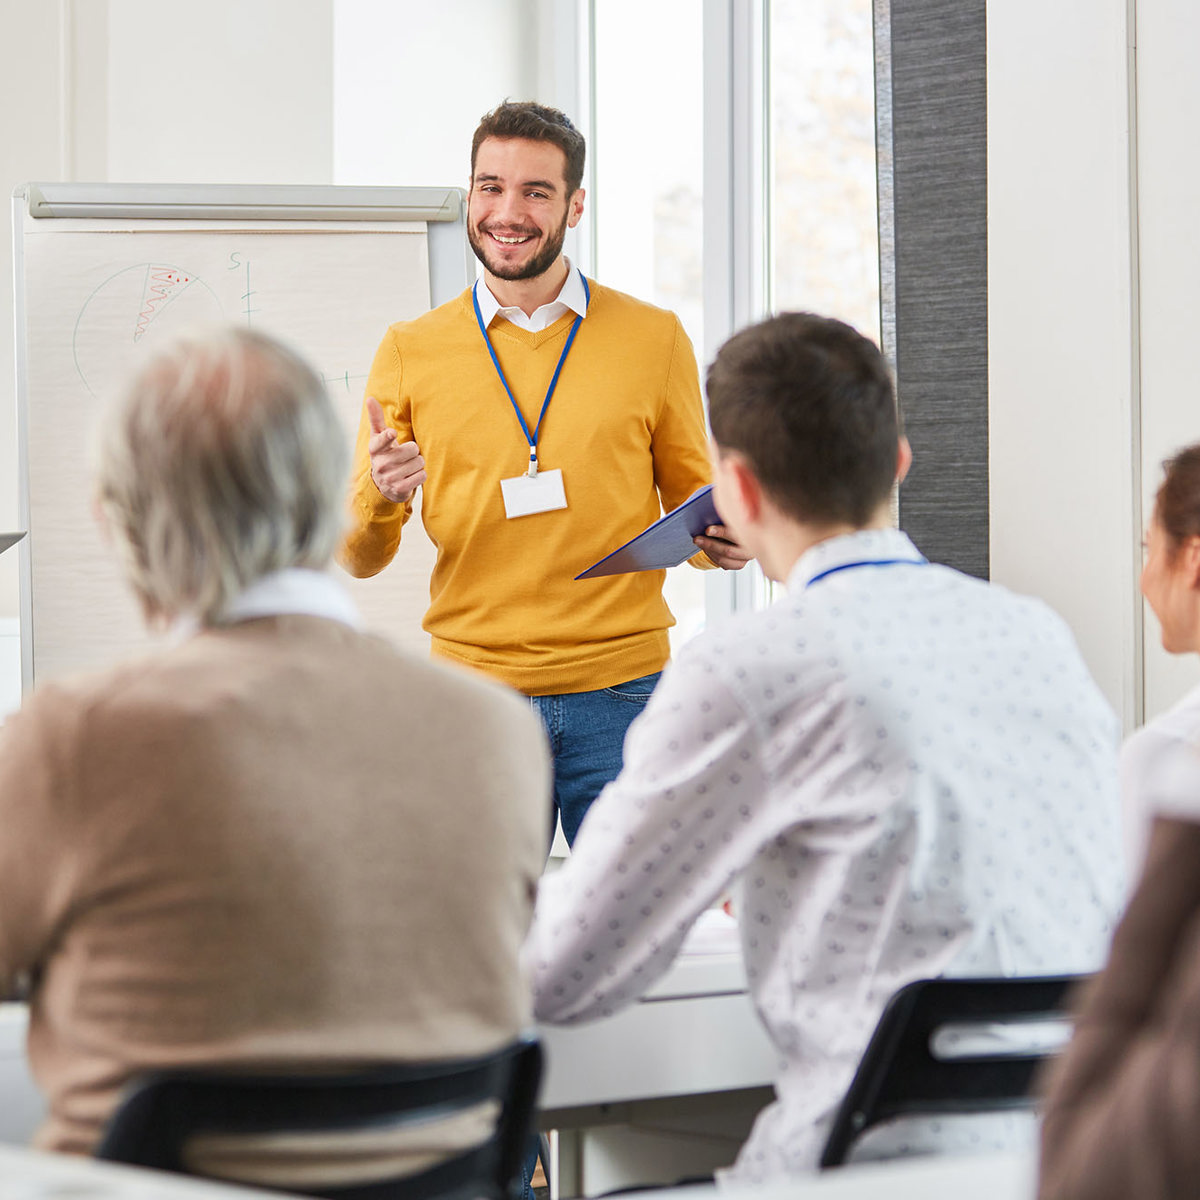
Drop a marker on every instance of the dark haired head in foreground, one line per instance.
(803, 416)
(809, 403)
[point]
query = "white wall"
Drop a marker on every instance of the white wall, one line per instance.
(138, 90)
(1093, 193)
(31, 146)
(1064, 511)
(1168, 191)
(410, 82)
(249, 91)
(220, 92)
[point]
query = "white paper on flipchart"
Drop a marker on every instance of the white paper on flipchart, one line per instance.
(98, 302)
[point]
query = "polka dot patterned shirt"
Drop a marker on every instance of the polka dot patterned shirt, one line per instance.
(907, 771)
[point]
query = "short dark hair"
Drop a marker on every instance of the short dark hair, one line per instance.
(1177, 505)
(810, 404)
(536, 123)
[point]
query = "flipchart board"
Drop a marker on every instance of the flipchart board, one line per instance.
(107, 273)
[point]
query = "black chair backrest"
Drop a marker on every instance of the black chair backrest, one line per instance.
(901, 1075)
(162, 1111)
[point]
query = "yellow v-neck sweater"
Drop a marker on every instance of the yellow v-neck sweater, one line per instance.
(625, 427)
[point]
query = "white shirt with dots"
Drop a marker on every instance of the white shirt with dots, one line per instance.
(909, 771)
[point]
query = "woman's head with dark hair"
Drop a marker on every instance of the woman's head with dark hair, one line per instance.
(1171, 575)
(1177, 505)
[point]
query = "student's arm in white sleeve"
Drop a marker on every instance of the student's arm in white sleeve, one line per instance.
(659, 845)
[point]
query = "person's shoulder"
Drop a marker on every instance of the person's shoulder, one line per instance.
(1015, 630)
(424, 693)
(1162, 759)
(84, 703)
(1180, 723)
(999, 603)
(1144, 755)
(735, 630)
(57, 704)
(610, 304)
(477, 701)
(451, 317)
(749, 650)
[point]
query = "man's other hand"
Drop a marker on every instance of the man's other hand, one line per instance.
(716, 542)
(396, 467)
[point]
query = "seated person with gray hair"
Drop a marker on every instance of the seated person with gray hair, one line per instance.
(269, 843)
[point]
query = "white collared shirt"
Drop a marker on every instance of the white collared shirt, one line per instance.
(571, 298)
(910, 772)
(1160, 776)
(296, 590)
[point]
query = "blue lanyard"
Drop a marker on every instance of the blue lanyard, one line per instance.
(875, 562)
(530, 437)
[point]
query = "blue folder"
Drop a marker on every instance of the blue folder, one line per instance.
(666, 543)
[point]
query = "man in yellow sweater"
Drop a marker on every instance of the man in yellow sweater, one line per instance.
(547, 419)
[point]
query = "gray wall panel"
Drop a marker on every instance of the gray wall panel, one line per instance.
(933, 107)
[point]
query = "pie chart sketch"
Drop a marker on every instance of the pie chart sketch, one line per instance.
(133, 312)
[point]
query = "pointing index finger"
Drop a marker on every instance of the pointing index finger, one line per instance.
(375, 415)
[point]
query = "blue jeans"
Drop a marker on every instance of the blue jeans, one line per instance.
(587, 733)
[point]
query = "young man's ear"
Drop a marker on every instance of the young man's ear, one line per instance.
(742, 486)
(575, 208)
(903, 459)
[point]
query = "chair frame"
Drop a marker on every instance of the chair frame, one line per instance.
(899, 1075)
(160, 1111)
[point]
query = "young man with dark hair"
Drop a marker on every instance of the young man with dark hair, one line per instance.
(909, 772)
(547, 419)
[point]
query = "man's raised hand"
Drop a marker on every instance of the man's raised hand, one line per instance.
(396, 467)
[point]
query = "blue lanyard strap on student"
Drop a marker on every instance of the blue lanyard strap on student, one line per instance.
(531, 437)
(874, 562)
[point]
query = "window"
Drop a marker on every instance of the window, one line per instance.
(824, 253)
(648, 152)
(795, 109)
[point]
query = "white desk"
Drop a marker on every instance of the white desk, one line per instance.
(664, 1090)
(21, 1105)
(28, 1175)
(695, 1032)
(977, 1177)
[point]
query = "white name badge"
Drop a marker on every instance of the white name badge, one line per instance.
(525, 495)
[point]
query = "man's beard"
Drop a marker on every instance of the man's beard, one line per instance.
(539, 264)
